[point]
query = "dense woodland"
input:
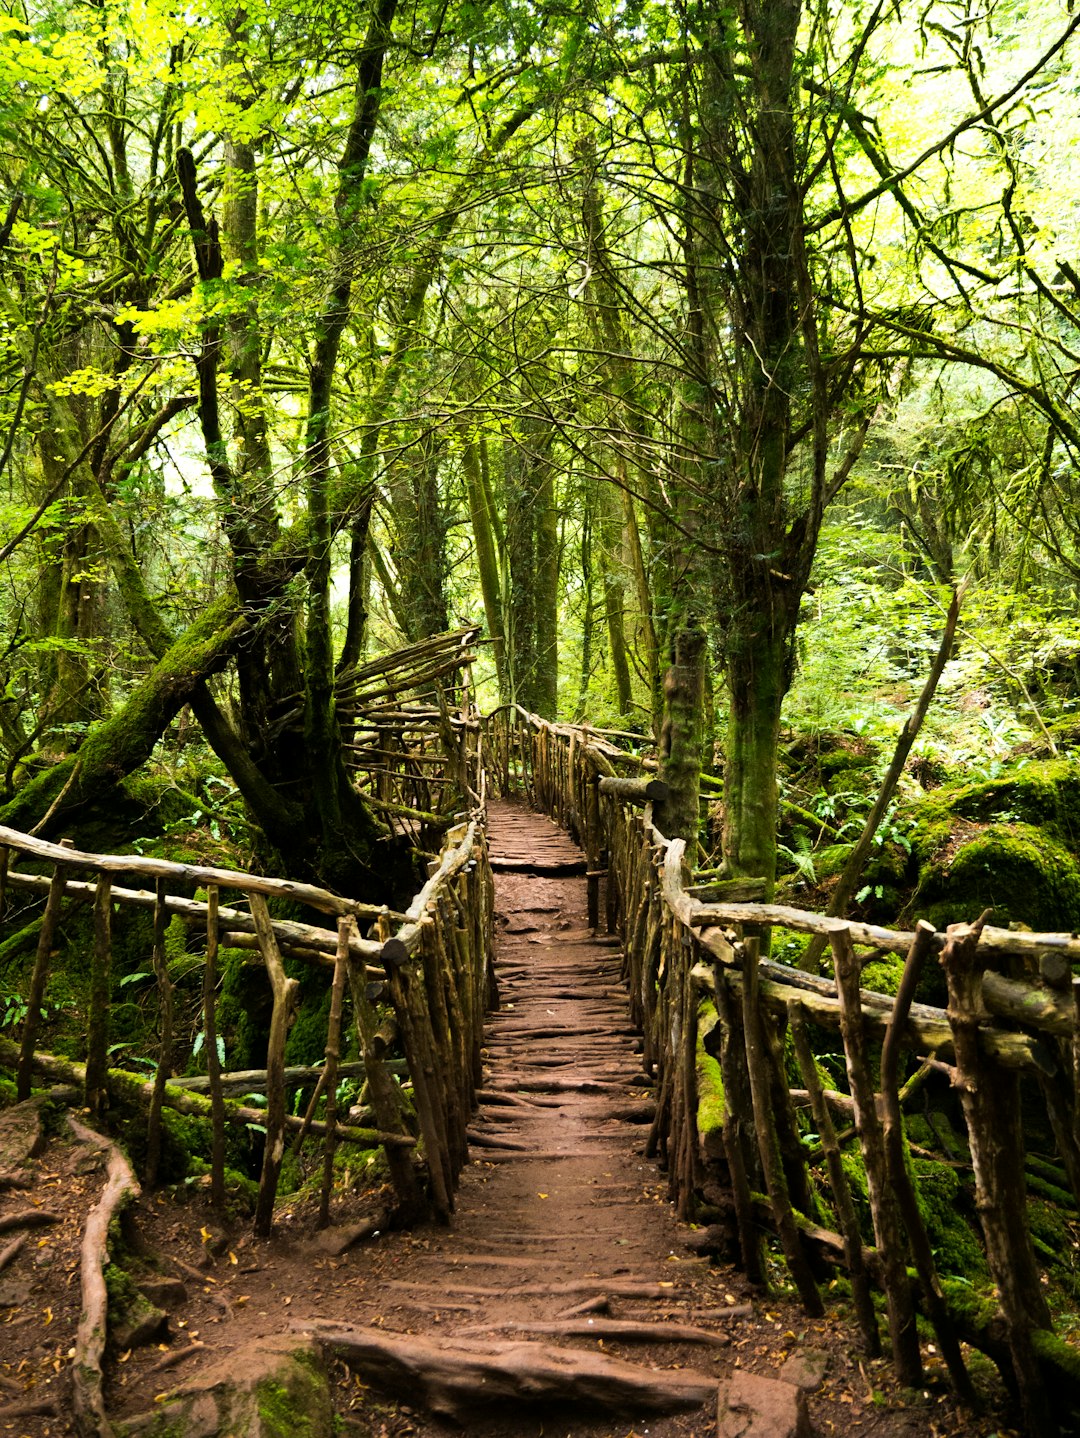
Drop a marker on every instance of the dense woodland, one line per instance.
(718, 361)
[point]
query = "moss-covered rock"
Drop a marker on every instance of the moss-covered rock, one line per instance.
(1021, 872)
(1043, 793)
(948, 1214)
(272, 1388)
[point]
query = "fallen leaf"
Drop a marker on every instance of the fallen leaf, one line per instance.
(541, 1195)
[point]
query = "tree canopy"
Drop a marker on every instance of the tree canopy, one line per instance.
(645, 332)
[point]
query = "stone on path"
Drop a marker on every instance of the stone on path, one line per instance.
(750, 1406)
(806, 1369)
(273, 1388)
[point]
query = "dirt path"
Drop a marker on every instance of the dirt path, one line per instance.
(557, 1211)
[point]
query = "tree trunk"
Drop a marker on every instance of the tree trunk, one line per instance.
(680, 737)
(758, 671)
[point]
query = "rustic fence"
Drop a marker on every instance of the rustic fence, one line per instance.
(698, 982)
(417, 980)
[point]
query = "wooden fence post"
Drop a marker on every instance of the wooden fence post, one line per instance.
(890, 1241)
(49, 924)
(97, 1028)
(285, 991)
(213, 1059)
(164, 1065)
(333, 1056)
(990, 1096)
(758, 1062)
(841, 1191)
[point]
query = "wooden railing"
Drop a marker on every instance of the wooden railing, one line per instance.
(422, 974)
(700, 989)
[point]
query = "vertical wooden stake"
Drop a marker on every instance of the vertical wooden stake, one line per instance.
(991, 1099)
(757, 1062)
(213, 1059)
(333, 1057)
(285, 990)
(841, 1191)
(737, 1110)
(887, 1231)
(381, 1087)
(97, 1028)
(164, 1065)
(50, 922)
(896, 1160)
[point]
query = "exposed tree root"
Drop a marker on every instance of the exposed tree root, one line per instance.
(88, 1401)
(456, 1379)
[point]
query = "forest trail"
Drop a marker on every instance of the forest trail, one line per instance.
(563, 1233)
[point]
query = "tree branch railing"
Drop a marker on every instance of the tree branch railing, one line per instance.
(424, 972)
(699, 990)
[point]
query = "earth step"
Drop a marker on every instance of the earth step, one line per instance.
(750, 1406)
(647, 1289)
(620, 1329)
(561, 868)
(453, 1380)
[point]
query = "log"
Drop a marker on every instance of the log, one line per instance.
(254, 1080)
(634, 791)
(88, 1399)
(453, 1380)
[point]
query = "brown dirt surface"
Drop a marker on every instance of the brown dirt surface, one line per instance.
(558, 1206)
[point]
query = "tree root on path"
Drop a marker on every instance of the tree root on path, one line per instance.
(27, 1218)
(454, 1380)
(88, 1401)
(623, 1330)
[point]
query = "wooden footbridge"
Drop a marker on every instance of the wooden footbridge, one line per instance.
(639, 1021)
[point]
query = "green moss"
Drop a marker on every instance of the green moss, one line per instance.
(974, 1311)
(1046, 794)
(307, 1038)
(710, 1083)
(855, 1172)
(299, 1409)
(1060, 1360)
(883, 975)
(942, 1203)
(1019, 871)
